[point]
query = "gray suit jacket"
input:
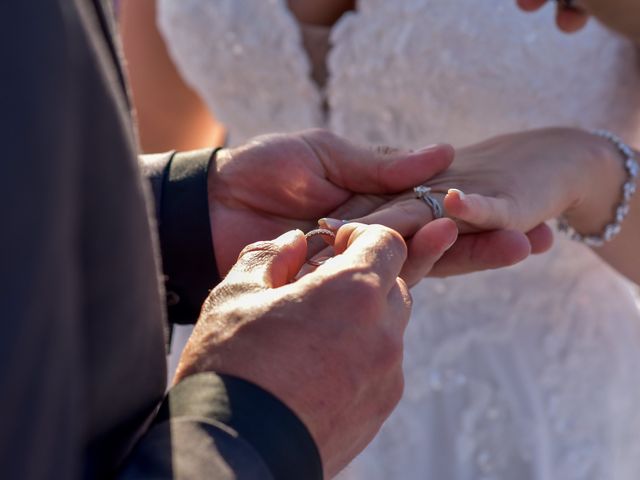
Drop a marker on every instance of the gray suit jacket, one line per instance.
(82, 344)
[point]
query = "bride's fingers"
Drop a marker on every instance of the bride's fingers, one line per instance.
(406, 216)
(571, 20)
(480, 211)
(531, 5)
(568, 19)
(426, 247)
(540, 238)
(489, 213)
(483, 251)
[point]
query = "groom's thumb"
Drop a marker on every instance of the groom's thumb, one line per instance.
(380, 169)
(270, 264)
(386, 170)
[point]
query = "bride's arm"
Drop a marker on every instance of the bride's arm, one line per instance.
(623, 253)
(542, 174)
(521, 180)
(170, 114)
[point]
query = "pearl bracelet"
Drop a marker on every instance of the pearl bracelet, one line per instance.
(628, 189)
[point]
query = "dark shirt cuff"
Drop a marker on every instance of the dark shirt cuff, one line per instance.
(185, 235)
(259, 418)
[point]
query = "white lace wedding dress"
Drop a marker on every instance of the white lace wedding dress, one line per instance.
(532, 372)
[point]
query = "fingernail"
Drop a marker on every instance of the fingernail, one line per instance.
(331, 223)
(288, 237)
(460, 193)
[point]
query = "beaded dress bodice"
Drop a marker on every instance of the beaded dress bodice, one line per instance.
(526, 373)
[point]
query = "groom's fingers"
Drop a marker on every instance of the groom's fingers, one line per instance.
(570, 20)
(531, 5)
(540, 238)
(371, 252)
(427, 247)
(405, 215)
(376, 170)
(483, 251)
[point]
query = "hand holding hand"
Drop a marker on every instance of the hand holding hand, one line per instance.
(329, 345)
(520, 180)
(279, 182)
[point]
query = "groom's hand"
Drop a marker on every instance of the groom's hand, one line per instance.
(281, 182)
(278, 183)
(328, 345)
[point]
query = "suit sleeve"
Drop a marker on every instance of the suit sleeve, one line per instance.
(211, 423)
(179, 184)
(228, 428)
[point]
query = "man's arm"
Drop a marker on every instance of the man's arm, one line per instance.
(179, 184)
(228, 428)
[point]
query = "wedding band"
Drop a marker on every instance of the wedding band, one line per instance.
(318, 231)
(422, 193)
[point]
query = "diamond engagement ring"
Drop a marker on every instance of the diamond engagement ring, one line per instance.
(423, 193)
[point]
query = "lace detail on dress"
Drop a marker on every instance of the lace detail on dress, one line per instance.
(246, 60)
(526, 373)
(417, 71)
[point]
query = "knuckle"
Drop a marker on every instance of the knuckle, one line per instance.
(263, 246)
(385, 150)
(392, 240)
(227, 292)
(258, 252)
(365, 286)
(319, 134)
(367, 294)
(359, 291)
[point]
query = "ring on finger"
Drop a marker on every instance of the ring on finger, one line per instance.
(316, 262)
(423, 193)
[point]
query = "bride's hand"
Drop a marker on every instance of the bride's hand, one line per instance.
(519, 180)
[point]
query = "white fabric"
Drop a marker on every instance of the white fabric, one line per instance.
(525, 373)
